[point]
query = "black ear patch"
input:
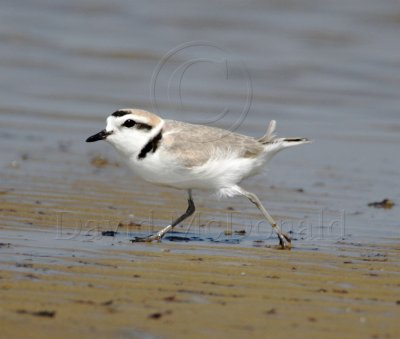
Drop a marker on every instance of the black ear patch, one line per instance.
(140, 125)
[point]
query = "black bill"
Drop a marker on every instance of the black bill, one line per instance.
(99, 136)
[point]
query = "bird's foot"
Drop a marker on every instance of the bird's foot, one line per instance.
(284, 241)
(154, 237)
(150, 238)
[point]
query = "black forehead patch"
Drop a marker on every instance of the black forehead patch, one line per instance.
(120, 113)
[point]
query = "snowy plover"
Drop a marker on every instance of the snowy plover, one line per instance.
(187, 156)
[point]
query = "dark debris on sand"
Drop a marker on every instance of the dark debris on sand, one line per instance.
(109, 233)
(44, 313)
(385, 203)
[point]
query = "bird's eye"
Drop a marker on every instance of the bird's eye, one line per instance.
(129, 123)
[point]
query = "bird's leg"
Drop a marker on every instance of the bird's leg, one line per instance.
(284, 240)
(189, 211)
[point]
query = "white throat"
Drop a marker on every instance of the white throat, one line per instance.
(132, 144)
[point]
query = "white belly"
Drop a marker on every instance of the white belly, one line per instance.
(214, 175)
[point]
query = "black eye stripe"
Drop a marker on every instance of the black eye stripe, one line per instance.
(139, 125)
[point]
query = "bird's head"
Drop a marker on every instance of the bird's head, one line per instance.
(129, 130)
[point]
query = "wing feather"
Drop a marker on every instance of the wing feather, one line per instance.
(193, 145)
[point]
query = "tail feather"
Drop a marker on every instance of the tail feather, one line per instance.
(278, 144)
(273, 144)
(269, 137)
(269, 134)
(289, 142)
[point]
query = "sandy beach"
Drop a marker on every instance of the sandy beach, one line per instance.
(81, 283)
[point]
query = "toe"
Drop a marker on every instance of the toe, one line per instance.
(284, 241)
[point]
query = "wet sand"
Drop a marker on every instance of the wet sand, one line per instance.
(57, 285)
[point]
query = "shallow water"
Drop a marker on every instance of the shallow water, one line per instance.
(324, 70)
